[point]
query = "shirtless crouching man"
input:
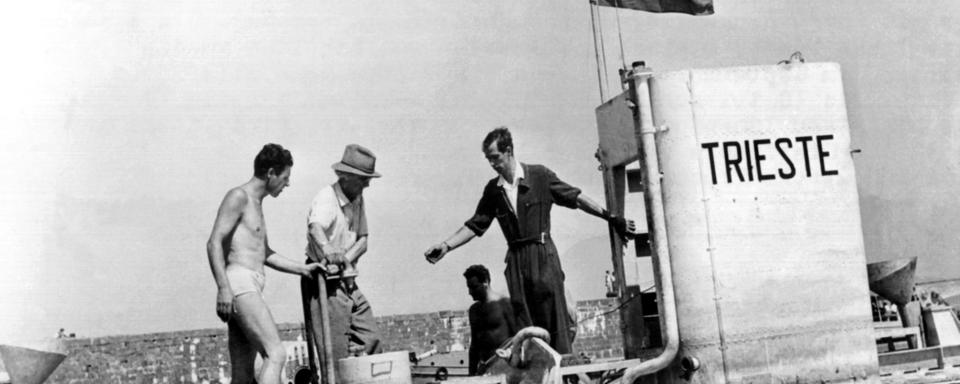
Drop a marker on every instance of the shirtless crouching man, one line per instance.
(241, 232)
(492, 319)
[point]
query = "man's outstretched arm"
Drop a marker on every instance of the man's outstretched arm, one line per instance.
(626, 228)
(283, 264)
(437, 251)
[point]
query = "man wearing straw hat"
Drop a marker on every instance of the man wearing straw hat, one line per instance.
(337, 237)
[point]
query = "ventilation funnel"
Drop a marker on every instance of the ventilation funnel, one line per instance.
(893, 279)
(32, 365)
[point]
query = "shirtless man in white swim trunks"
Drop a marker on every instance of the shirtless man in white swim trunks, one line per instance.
(238, 249)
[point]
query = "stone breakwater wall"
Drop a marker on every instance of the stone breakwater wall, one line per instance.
(200, 356)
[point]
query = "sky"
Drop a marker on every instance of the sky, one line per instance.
(123, 124)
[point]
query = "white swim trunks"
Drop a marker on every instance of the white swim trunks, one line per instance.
(243, 280)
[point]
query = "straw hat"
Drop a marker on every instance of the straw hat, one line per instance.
(357, 160)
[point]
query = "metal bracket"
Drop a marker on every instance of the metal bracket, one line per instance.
(656, 129)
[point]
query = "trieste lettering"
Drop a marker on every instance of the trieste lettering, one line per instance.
(751, 160)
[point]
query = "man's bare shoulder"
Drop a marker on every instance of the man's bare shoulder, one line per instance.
(230, 212)
(235, 197)
(497, 296)
(493, 305)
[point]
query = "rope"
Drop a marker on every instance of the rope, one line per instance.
(596, 51)
(603, 49)
(623, 59)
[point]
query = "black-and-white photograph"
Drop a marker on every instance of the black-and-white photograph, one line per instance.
(480, 192)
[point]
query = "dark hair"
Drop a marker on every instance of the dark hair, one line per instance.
(271, 156)
(479, 272)
(502, 136)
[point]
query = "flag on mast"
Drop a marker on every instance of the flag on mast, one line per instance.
(690, 7)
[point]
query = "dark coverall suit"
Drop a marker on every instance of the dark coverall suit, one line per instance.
(534, 276)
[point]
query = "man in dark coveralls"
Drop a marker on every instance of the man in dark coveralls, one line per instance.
(520, 199)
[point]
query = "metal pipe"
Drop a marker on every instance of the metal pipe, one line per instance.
(329, 362)
(312, 354)
(316, 317)
(652, 194)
